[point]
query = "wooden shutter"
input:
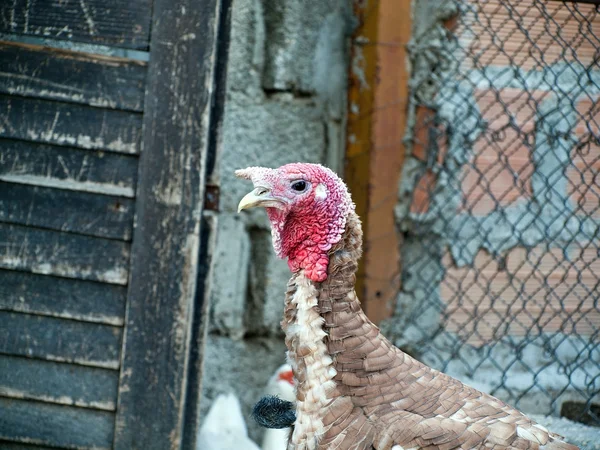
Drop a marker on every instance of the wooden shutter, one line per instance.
(99, 319)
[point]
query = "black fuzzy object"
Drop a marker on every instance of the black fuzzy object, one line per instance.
(273, 412)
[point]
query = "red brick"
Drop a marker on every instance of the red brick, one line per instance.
(537, 290)
(584, 189)
(499, 39)
(500, 171)
(490, 327)
(422, 193)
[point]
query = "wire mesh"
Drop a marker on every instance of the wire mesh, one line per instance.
(500, 201)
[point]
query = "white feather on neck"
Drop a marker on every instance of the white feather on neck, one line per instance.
(307, 332)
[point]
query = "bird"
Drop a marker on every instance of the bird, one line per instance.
(280, 391)
(224, 427)
(354, 388)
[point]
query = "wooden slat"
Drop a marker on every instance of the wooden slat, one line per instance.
(178, 125)
(5, 445)
(55, 425)
(63, 254)
(69, 124)
(51, 73)
(68, 168)
(56, 209)
(87, 301)
(108, 22)
(60, 383)
(59, 340)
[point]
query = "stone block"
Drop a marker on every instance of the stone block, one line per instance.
(230, 275)
(300, 46)
(268, 276)
(272, 133)
(246, 48)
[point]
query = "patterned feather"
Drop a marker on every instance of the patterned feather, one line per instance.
(379, 397)
(354, 389)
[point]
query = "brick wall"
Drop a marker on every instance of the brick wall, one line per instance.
(500, 199)
(546, 289)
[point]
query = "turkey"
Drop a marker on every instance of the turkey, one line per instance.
(354, 389)
(224, 427)
(281, 386)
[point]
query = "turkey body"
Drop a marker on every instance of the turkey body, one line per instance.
(224, 427)
(355, 390)
(280, 385)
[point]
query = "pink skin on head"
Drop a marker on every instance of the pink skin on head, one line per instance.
(310, 222)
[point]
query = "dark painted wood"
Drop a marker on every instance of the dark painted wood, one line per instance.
(63, 254)
(51, 73)
(56, 209)
(55, 425)
(162, 293)
(70, 124)
(68, 168)
(52, 382)
(86, 301)
(108, 22)
(5, 445)
(55, 339)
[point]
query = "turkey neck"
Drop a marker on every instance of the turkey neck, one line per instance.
(336, 302)
(317, 318)
(344, 320)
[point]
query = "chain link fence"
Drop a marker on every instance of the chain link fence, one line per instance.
(500, 201)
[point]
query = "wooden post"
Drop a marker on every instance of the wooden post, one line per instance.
(378, 98)
(162, 321)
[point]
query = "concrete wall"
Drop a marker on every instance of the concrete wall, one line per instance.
(498, 207)
(286, 102)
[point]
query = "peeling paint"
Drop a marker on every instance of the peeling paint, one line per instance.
(70, 184)
(83, 141)
(63, 400)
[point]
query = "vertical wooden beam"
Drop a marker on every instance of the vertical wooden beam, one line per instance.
(378, 98)
(161, 306)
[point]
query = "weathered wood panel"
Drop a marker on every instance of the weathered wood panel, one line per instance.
(5, 445)
(107, 22)
(69, 255)
(162, 291)
(55, 425)
(68, 168)
(61, 383)
(55, 209)
(55, 339)
(44, 72)
(87, 301)
(70, 124)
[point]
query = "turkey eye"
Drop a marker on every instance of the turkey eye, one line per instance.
(299, 186)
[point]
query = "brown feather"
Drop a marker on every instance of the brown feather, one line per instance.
(380, 397)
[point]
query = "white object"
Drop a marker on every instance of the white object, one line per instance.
(224, 427)
(280, 384)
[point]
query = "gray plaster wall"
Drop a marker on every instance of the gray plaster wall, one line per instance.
(285, 102)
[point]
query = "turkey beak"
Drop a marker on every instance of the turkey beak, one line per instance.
(260, 196)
